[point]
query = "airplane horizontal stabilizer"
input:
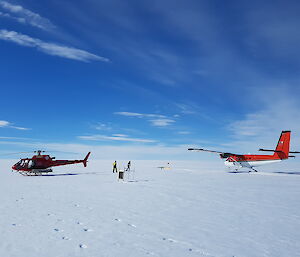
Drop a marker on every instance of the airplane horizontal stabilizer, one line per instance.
(268, 150)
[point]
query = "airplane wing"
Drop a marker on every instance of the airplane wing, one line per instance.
(222, 154)
(204, 150)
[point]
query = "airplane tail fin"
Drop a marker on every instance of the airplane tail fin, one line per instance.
(283, 146)
(85, 159)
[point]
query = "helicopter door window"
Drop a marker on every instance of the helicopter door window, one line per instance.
(26, 163)
(30, 164)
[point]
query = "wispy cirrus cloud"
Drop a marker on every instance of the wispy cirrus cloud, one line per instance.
(279, 111)
(184, 132)
(25, 16)
(162, 122)
(156, 120)
(14, 138)
(102, 126)
(7, 124)
(7, 15)
(261, 127)
(50, 48)
(116, 137)
(140, 115)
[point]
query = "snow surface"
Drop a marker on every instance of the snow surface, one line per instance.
(192, 209)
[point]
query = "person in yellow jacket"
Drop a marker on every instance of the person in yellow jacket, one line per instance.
(115, 167)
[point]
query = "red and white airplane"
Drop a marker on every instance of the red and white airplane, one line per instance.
(237, 161)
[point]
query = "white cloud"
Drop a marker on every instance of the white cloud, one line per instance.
(19, 128)
(283, 115)
(50, 48)
(14, 138)
(7, 15)
(23, 15)
(140, 115)
(161, 122)
(192, 108)
(7, 124)
(155, 120)
(102, 126)
(129, 114)
(279, 110)
(4, 123)
(120, 135)
(116, 137)
(186, 109)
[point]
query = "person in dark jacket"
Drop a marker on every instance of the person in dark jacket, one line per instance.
(128, 166)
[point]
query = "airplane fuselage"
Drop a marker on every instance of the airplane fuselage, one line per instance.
(250, 160)
(249, 163)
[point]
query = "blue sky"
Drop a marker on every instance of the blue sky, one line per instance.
(147, 79)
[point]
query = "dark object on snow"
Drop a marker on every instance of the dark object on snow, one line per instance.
(121, 174)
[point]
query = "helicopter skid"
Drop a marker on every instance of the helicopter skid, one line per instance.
(35, 172)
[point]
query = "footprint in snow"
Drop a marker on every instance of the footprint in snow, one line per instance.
(79, 223)
(76, 205)
(66, 238)
(118, 220)
(189, 249)
(58, 230)
(83, 246)
(132, 225)
(87, 230)
(169, 239)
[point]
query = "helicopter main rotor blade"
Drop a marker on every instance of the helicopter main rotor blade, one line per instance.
(14, 153)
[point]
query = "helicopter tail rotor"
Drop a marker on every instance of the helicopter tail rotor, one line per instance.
(85, 159)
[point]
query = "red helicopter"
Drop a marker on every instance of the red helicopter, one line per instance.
(41, 163)
(237, 161)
